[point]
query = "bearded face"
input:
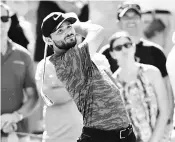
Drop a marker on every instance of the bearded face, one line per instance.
(64, 37)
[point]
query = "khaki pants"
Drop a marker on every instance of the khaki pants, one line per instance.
(14, 138)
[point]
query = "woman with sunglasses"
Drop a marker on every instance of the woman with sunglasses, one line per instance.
(142, 89)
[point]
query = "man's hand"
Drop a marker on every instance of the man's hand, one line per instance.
(93, 34)
(9, 119)
(10, 128)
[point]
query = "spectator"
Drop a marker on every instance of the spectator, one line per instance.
(143, 91)
(24, 35)
(21, 30)
(129, 19)
(16, 32)
(17, 80)
(163, 27)
(97, 98)
(156, 29)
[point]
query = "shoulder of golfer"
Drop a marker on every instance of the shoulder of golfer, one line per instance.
(50, 78)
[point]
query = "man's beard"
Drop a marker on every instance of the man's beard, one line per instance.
(66, 46)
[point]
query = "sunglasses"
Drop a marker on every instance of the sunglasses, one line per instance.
(5, 19)
(119, 47)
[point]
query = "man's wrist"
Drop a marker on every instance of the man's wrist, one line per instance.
(19, 115)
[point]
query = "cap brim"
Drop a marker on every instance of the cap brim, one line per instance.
(129, 8)
(72, 20)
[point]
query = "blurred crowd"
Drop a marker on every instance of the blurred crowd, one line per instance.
(149, 31)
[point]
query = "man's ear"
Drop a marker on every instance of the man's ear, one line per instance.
(48, 40)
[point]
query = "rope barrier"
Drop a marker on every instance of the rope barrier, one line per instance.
(29, 134)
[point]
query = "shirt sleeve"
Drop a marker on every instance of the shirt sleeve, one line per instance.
(72, 67)
(29, 80)
(50, 78)
(160, 61)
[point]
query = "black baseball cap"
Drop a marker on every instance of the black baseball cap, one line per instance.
(54, 20)
(122, 9)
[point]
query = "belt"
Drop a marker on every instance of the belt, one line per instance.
(125, 132)
(121, 133)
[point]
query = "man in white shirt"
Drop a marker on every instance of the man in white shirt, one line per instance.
(170, 65)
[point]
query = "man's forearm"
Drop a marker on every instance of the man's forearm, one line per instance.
(94, 39)
(31, 104)
(93, 34)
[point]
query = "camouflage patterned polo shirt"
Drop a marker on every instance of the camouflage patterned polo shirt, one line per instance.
(96, 96)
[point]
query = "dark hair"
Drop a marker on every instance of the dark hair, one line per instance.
(155, 26)
(116, 36)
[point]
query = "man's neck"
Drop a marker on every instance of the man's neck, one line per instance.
(59, 51)
(129, 70)
(4, 45)
(129, 66)
(136, 39)
(136, 36)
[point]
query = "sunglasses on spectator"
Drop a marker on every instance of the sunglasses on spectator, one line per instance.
(5, 19)
(119, 47)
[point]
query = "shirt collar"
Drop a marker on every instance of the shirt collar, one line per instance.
(10, 47)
